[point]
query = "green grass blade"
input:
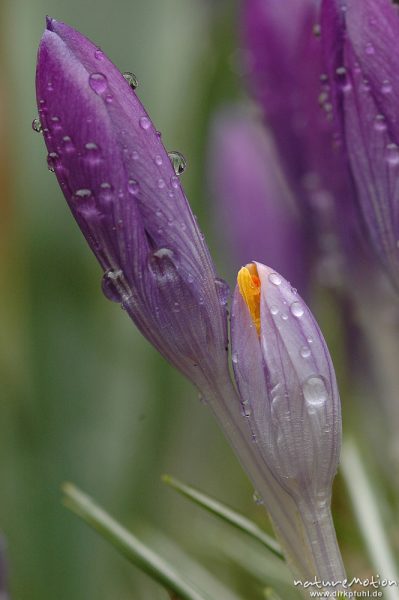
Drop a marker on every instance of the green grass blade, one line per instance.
(226, 513)
(368, 515)
(127, 544)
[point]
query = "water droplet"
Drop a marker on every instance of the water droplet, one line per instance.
(370, 50)
(257, 498)
(341, 71)
(386, 87)
(178, 161)
(109, 285)
(392, 154)
(98, 83)
(161, 183)
(99, 54)
(163, 253)
(158, 160)
(297, 309)
(274, 279)
(106, 196)
(305, 352)
(67, 144)
(315, 392)
(309, 340)
(379, 123)
(52, 161)
(274, 310)
(176, 307)
(92, 153)
(133, 186)
(83, 193)
(316, 30)
(223, 290)
(109, 98)
(36, 125)
(234, 358)
(145, 123)
(284, 316)
(175, 182)
(131, 79)
(55, 124)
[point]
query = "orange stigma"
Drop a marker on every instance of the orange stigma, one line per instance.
(249, 286)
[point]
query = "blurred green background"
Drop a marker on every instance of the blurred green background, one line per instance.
(84, 397)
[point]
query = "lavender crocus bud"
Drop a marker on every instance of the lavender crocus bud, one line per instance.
(359, 39)
(126, 197)
(290, 399)
(257, 214)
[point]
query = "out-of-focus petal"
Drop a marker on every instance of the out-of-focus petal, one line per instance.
(122, 190)
(359, 37)
(257, 215)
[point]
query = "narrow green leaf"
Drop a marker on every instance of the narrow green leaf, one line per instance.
(226, 513)
(127, 544)
(368, 515)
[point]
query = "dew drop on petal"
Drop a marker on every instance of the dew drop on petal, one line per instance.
(36, 125)
(370, 50)
(386, 87)
(161, 183)
(274, 310)
(379, 123)
(158, 160)
(274, 279)
(98, 83)
(83, 193)
(92, 153)
(178, 161)
(52, 161)
(223, 290)
(175, 182)
(133, 186)
(145, 123)
(99, 54)
(297, 309)
(108, 285)
(131, 79)
(315, 392)
(392, 154)
(305, 352)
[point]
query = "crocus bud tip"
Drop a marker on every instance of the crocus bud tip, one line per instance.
(49, 23)
(249, 285)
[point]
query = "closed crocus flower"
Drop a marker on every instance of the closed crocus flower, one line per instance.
(257, 214)
(289, 396)
(123, 191)
(359, 38)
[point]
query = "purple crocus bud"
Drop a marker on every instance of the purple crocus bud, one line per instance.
(126, 197)
(256, 210)
(359, 38)
(290, 398)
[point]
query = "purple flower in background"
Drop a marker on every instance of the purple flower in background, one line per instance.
(123, 191)
(257, 213)
(360, 38)
(289, 393)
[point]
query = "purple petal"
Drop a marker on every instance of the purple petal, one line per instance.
(287, 385)
(257, 216)
(363, 72)
(123, 192)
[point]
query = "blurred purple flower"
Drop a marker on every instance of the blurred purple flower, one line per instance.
(284, 66)
(289, 393)
(122, 189)
(257, 212)
(359, 38)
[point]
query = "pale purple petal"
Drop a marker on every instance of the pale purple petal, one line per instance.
(288, 387)
(122, 190)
